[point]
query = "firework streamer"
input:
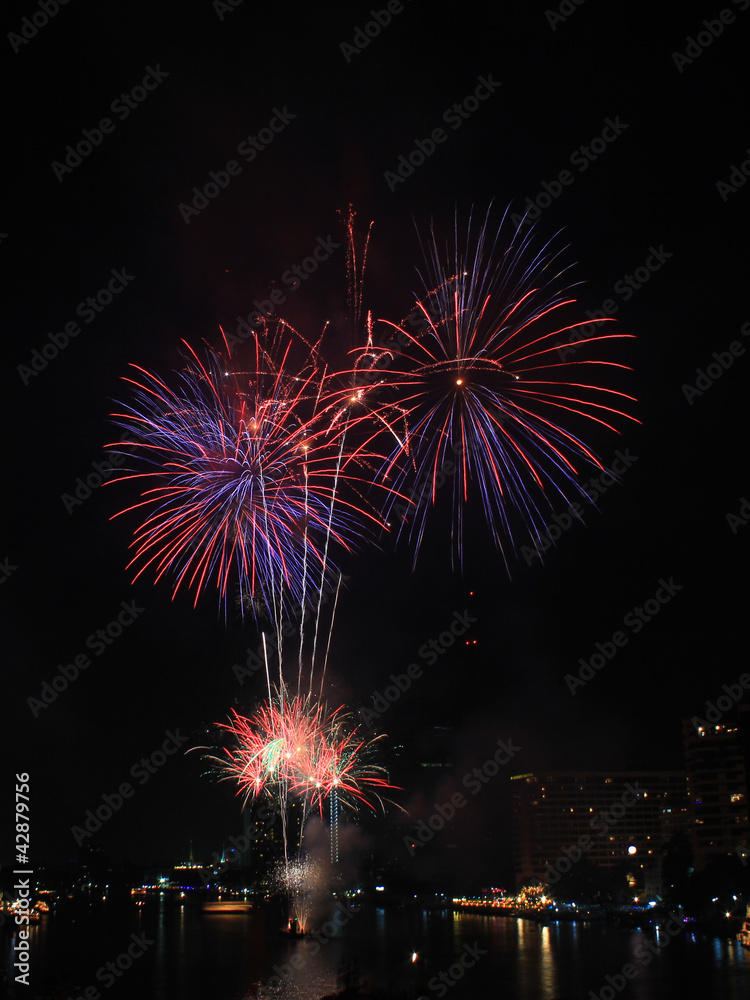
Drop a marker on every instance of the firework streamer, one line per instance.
(356, 262)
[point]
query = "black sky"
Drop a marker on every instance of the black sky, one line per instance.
(655, 186)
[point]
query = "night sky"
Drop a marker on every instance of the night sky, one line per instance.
(218, 74)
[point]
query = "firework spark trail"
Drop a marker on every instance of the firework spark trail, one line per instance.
(304, 588)
(330, 635)
(355, 268)
(478, 385)
(325, 564)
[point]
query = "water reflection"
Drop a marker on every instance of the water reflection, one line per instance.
(548, 963)
(198, 955)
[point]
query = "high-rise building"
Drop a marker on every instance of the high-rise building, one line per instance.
(717, 764)
(609, 817)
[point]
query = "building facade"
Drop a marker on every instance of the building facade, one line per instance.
(717, 764)
(609, 817)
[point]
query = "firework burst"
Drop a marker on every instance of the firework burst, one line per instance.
(474, 388)
(295, 747)
(244, 475)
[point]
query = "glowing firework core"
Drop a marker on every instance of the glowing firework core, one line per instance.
(295, 746)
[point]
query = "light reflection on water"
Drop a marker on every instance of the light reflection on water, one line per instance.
(547, 971)
(242, 956)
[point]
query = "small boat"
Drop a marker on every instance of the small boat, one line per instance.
(743, 935)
